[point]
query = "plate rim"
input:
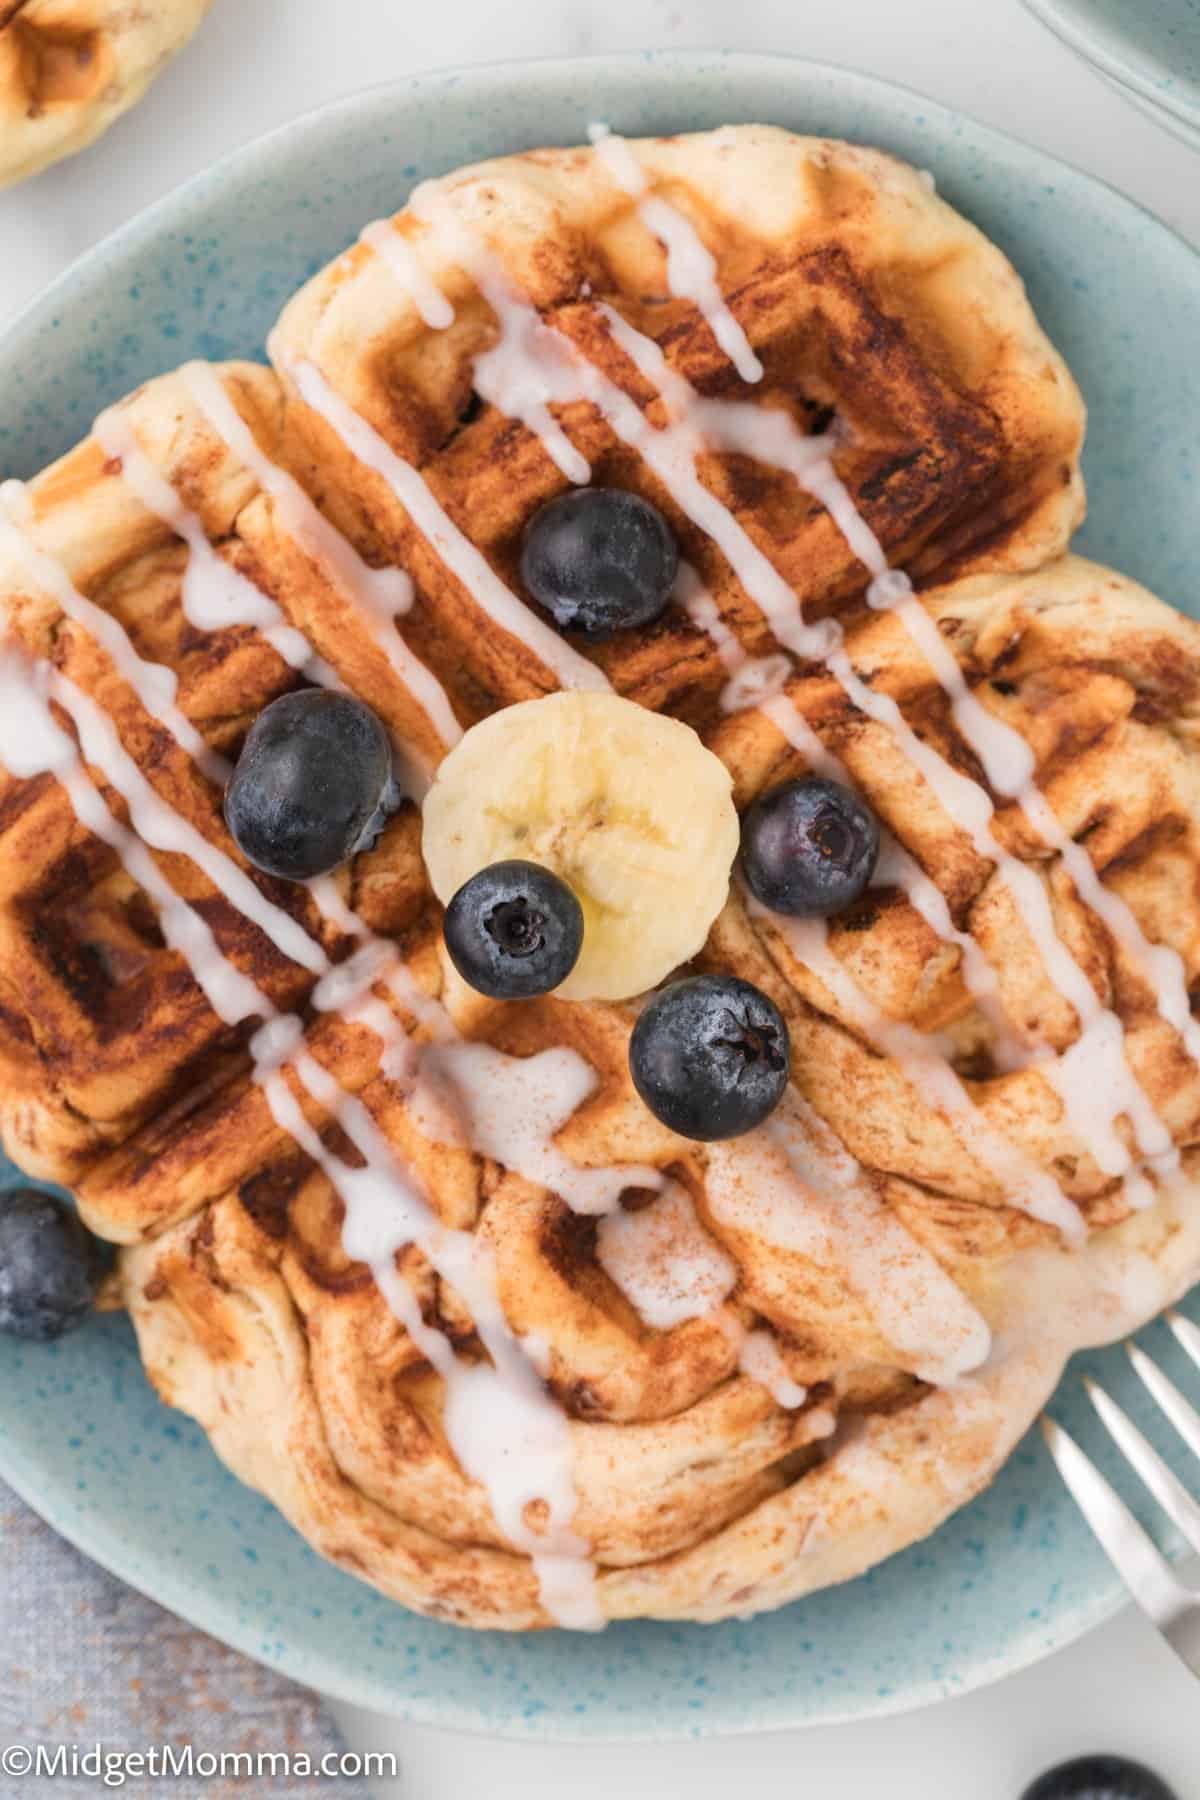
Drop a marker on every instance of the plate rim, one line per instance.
(1184, 131)
(304, 1661)
(370, 1694)
(1113, 54)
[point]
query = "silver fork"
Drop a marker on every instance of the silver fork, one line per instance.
(1169, 1601)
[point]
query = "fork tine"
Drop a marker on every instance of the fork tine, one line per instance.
(1166, 1487)
(1182, 1413)
(1187, 1333)
(1142, 1567)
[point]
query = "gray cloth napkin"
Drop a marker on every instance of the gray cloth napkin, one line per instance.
(85, 1659)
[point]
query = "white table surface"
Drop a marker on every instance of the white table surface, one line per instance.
(259, 62)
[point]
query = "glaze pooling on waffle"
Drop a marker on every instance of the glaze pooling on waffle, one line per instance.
(670, 1420)
(754, 1185)
(664, 1262)
(512, 1109)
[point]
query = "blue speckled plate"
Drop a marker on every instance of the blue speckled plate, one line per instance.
(1151, 48)
(81, 1434)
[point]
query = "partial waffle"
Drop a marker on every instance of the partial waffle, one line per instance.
(70, 68)
(777, 1360)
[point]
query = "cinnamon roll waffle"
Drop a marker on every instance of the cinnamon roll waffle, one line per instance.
(422, 1262)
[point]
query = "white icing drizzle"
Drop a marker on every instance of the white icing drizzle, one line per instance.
(792, 1184)
(379, 596)
(504, 1427)
(454, 548)
(162, 828)
(411, 273)
(691, 266)
(702, 610)
(510, 1109)
(758, 683)
(32, 744)
(155, 686)
(1026, 1186)
(792, 1181)
(430, 1014)
(772, 436)
(759, 1358)
(526, 370)
(1009, 765)
(896, 866)
(348, 984)
(215, 595)
(1109, 1089)
(506, 1430)
(518, 383)
(669, 1268)
(1113, 1090)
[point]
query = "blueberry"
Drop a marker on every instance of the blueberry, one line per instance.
(600, 560)
(49, 1266)
(514, 930)
(313, 784)
(709, 1056)
(809, 847)
(1099, 1778)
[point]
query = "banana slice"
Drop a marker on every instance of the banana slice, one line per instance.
(626, 805)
